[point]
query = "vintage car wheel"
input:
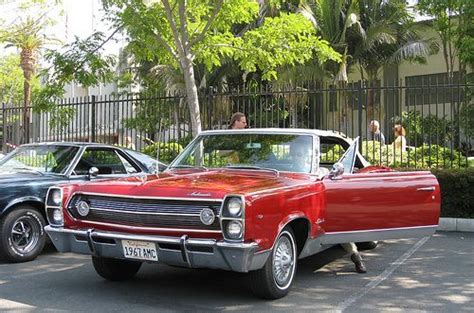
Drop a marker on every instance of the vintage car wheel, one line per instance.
(274, 280)
(367, 245)
(22, 234)
(115, 269)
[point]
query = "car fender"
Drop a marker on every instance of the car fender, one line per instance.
(288, 220)
(12, 204)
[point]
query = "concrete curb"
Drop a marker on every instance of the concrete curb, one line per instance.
(456, 224)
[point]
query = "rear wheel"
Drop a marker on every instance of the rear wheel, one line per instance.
(22, 234)
(274, 280)
(115, 269)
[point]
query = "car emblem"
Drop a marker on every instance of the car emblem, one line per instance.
(82, 208)
(207, 216)
(199, 194)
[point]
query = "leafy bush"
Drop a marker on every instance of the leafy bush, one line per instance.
(426, 156)
(421, 129)
(168, 150)
(457, 196)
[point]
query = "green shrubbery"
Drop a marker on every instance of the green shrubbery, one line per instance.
(168, 150)
(426, 156)
(457, 192)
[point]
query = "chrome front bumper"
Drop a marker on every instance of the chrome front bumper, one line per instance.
(179, 251)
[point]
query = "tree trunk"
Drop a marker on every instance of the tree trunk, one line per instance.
(192, 96)
(27, 64)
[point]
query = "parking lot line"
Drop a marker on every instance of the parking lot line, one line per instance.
(380, 278)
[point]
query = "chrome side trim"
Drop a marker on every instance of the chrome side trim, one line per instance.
(378, 234)
(432, 188)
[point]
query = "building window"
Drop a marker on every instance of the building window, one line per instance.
(432, 89)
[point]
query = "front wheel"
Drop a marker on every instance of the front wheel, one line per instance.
(274, 280)
(22, 234)
(115, 269)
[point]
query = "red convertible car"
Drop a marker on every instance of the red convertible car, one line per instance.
(253, 200)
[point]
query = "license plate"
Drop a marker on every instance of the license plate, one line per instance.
(141, 250)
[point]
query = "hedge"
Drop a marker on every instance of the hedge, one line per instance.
(457, 192)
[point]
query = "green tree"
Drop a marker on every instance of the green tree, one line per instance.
(451, 20)
(183, 33)
(28, 34)
(390, 36)
(333, 21)
(11, 79)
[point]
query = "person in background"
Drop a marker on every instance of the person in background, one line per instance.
(351, 248)
(400, 143)
(300, 156)
(375, 133)
(129, 143)
(238, 121)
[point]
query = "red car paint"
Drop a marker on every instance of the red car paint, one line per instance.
(370, 199)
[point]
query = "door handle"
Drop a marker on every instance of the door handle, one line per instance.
(432, 188)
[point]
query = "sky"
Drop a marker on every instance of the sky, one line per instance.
(78, 18)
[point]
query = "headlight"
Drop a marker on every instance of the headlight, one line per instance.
(232, 217)
(57, 217)
(234, 207)
(234, 229)
(54, 211)
(55, 196)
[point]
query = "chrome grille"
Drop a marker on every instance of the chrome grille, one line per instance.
(146, 212)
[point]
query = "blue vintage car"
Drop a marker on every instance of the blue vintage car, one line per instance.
(27, 172)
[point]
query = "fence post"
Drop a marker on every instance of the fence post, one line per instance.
(359, 115)
(92, 119)
(3, 126)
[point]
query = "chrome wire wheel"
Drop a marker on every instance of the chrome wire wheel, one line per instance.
(284, 262)
(25, 234)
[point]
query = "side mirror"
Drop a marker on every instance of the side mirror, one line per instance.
(93, 172)
(336, 171)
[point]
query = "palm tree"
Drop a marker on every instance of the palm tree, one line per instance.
(334, 21)
(390, 36)
(28, 37)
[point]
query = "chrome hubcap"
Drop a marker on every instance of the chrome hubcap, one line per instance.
(25, 234)
(283, 261)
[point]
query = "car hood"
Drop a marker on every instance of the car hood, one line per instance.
(210, 184)
(25, 177)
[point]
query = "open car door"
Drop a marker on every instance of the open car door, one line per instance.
(372, 206)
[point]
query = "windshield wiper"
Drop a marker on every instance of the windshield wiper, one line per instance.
(28, 169)
(189, 166)
(253, 167)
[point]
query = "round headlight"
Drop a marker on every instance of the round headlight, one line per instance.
(207, 216)
(234, 206)
(234, 229)
(56, 197)
(82, 208)
(58, 216)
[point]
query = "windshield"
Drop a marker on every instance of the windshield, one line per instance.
(282, 152)
(43, 159)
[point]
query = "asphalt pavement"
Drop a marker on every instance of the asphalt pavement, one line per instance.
(433, 274)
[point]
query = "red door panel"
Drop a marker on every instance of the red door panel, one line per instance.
(381, 201)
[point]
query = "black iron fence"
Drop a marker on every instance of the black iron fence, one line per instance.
(437, 120)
